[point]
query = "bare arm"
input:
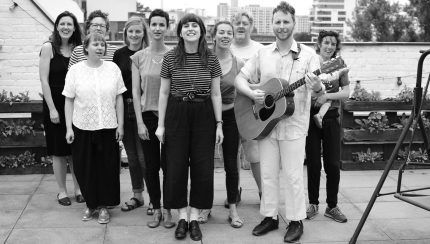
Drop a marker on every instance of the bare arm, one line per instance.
(44, 63)
(162, 106)
(142, 131)
(68, 112)
(242, 85)
(119, 107)
(217, 106)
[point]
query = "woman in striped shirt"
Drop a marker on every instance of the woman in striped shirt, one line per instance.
(189, 123)
(97, 22)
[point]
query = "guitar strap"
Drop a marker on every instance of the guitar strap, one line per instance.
(296, 54)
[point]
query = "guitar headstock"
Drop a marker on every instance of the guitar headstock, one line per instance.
(332, 65)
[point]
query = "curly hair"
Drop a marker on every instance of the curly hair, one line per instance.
(95, 14)
(325, 33)
(236, 17)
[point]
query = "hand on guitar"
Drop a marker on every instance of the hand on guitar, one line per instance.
(258, 96)
(314, 82)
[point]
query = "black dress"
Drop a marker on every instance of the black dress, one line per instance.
(55, 134)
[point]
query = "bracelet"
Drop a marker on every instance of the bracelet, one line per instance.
(219, 122)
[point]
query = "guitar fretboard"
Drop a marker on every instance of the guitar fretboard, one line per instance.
(294, 86)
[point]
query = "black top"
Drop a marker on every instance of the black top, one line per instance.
(58, 70)
(122, 58)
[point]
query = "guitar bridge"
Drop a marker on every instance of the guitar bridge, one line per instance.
(255, 112)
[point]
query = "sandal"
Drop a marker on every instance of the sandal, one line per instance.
(132, 204)
(150, 210)
(204, 216)
(235, 222)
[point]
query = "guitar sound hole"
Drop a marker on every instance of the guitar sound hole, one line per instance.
(265, 113)
(269, 101)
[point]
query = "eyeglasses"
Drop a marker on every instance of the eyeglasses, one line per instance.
(98, 25)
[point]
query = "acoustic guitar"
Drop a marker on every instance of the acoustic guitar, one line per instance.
(256, 121)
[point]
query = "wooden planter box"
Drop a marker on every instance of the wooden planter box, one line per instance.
(28, 107)
(36, 140)
(352, 105)
(388, 135)
(377, 165)
(25, 171)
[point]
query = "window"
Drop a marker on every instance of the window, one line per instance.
(341, 19)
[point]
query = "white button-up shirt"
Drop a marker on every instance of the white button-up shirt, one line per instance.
(269, 63)
(94, 91)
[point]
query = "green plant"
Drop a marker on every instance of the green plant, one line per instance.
(405, 95)
(23, 160)
(361, 94)
(367, 157)
(413, 156)
(11, 98)
(375, 123)
(404, 120)
(16, 127)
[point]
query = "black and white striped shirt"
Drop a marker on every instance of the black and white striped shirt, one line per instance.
(78, 54)
(193, 76)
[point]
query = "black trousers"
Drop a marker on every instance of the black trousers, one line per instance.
(189, 142)
(96, 165)
(230, 147)
(329, 135)
(151, 150)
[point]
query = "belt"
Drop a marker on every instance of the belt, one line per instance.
(129, 100)
(191, 97)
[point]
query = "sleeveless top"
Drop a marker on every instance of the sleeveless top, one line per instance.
(228, 91)
(58, 71)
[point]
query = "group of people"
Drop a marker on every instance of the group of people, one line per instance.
(171, 106)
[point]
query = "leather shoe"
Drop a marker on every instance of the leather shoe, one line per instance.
(181, 229)
(268, 224)
(65, 201)
(294, 231)
(195, 232)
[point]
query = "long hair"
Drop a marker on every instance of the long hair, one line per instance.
(75, 39)
(215, 29)
(202, 50)
(325, 33)
(135, 20)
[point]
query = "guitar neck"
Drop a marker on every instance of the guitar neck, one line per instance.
(294, 86)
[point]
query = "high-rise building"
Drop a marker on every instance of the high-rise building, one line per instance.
(303, 24)
(262, 17)
(222, 11)
(331, 15)
(234, 3)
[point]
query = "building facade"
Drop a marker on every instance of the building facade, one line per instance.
(222, 11)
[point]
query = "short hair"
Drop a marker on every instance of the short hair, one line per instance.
(136, 20)
(325, 33)
(95, 14)
(74, 40)
(238, 16)
(93, 37)
(285, 8)
(160, 13)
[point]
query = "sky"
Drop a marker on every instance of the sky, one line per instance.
(302, 6)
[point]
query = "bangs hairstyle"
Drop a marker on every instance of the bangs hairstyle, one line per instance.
(136, 20)
(325, 33)
(285, 8)
(94, 37)
(74, 40)
(238, 16)
(215, 30)
(202, 49)
(160, 13)
(95, 14)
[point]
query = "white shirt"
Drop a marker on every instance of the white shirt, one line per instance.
(269, 63)
(94, 91)
(245, 53)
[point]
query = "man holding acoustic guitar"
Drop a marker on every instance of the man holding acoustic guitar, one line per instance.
(272, 106)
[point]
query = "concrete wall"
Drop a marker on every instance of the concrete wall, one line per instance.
(22, 32)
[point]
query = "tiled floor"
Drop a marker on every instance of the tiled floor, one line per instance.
(29, 213)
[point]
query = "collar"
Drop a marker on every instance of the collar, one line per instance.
(293, 47)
